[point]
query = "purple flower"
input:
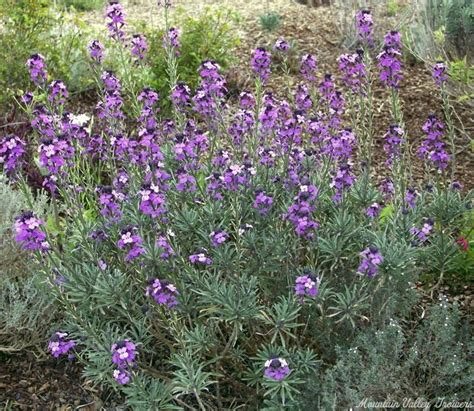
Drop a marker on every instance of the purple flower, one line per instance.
(54, 153)
(163, 292)
(410, 197)
(306, 284)
(393, 40)
(371, 259)
(181, 96)
(276, 369)
(281, 45)
(309, 67)
(440, 73)
(131, 242)
(109, 201)
(432, 148)
(342, 180)
(166, 249)
(200, 258)
(373, 211)
(116, 20)
(12, 150)
(389, 60)
(261, 60)
(422, 233)
(303, 98)
(247, 100)
(394, 138)
(139, 46)
(171, 40)
(37, 68)
(364, 25)
(57, 92)
(121, 376)
(96, 51)
(354, 72)
(300, 212)
(123, 353)
(27, 98)
(29, 233)
(262, 203)
(152, 202)
(218, 237)
(58, 345)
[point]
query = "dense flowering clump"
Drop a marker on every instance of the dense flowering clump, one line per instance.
(139, 46)
(163, 292)
(371, 259)
(12, 151)
(29, 233)
(115, 16)
(432, 148)
(276, 369)
(96, 51)
(306, 285)
(37, 68)
(261, 63)
(440, 73)
(58, 345)
(364, 25)
(394, 139)
(389, 60)
(131, 242)
(309, 67)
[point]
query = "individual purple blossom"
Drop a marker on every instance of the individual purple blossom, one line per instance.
(171, 40)
(373, 210)
(111, 82)
(261, 60)
(116, 20)
(262, 203)
(423, 233)
(37, 68)
(432, 148)
(122, 376)
(281, 45)
(276, 369)
(371, 259)
(27, 98)
(364, 25)
(394, 139)
(131, 242)
(109, 201)
(28, 232)
(58, 345)
(165, 247)
(200, 258)
(57, 92)
(124, 353)
(218, 237)
(309, 67)
(306, 285)
(440, 73)
(163, 292)
(54, 153)
(139, 46)
(12, 151)
(96, 51)
(186, 182)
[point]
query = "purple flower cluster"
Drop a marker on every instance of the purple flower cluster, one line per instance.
(116, 20)
(218, 237)
(432, 148)
(57, 92)
(354, 71)
(12, 151)
(309, 67)
(55, 152)
(181, 96)
(371, 259)
(58, 345)
(109, 201)
(276, 369)
(111, 106)
(306, 285)
(364, 25)
(281, 45)
(440, 73)
(261, 60)
(422, 234)
(262, 203)
(131, 242)
(123, 356)
(37, 68)
(29, 233)
(394, 139)
(300, 212)
(171, 40)
(96, 51)
(343, 179)
(163, 292)
(410, 197)
(152, 201)
(373, 210)
(200, 258)
(139, 46)
(389, 60)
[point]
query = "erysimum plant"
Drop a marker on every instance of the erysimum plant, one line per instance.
(216, 259)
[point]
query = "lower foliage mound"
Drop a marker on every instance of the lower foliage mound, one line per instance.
(244, 256)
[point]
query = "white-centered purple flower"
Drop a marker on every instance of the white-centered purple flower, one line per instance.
(276, 369)
(163, 292)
